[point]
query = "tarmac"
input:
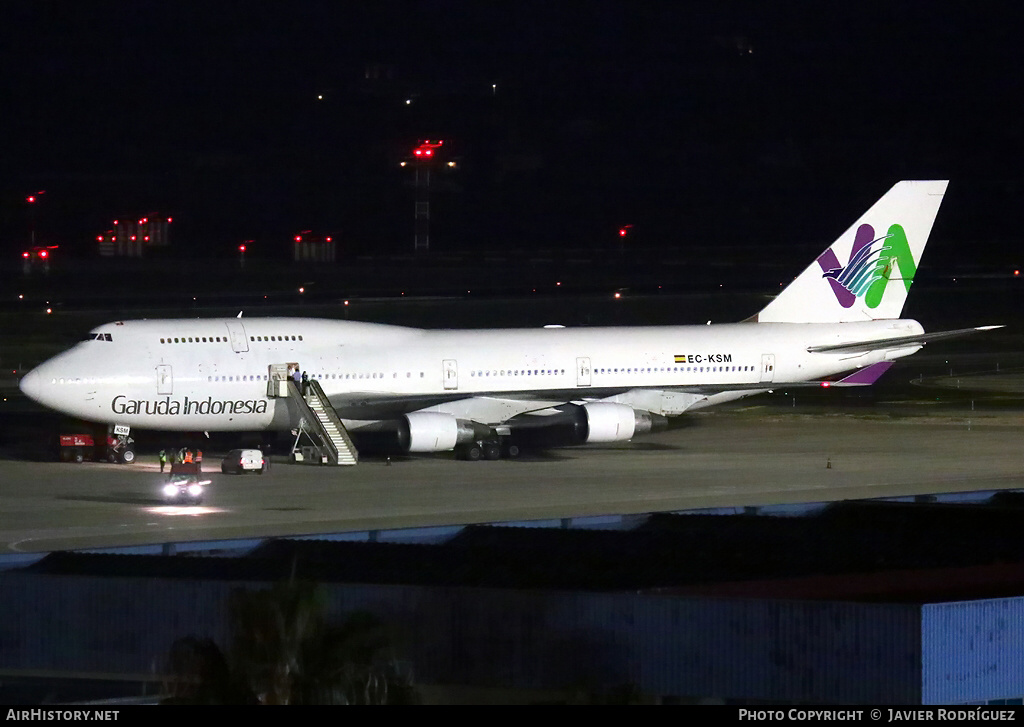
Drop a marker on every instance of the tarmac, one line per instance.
(743, 456)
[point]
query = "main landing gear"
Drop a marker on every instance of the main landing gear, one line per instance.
(489, 450)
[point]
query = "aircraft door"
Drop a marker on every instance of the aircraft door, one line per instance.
(278, 376)
(583, 371)
(451, 374)
(239, 341)
(164, 380)
(767, 368)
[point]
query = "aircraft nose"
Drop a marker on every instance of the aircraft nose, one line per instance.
(31, 385)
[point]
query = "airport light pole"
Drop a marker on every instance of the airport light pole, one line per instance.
(623, 233)
(423, 159)
(32, 199)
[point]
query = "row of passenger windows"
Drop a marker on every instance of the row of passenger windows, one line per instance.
(408, 374)
(515, 372)
(674, 369)
(319, 377)
(220, 339)
(670, 369)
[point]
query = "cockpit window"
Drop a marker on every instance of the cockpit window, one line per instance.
(98, 337)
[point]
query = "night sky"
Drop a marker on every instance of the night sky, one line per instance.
(696, 123)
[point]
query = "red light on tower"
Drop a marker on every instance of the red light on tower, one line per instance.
(298, 238)
(241, 248)
(426, 149)
(624, 230)
(44, 253)
(328, 239)
(31, 199)
(25, 254)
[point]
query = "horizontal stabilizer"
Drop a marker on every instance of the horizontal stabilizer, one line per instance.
(865, 376)
(897, 342)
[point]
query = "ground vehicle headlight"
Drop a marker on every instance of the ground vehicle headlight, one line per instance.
(195, 490)
(170, 490)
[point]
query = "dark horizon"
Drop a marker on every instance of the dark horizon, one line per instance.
(692, 123)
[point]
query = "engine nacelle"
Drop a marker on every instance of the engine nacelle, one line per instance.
(606, 421)
(609, 422)
(426, 431)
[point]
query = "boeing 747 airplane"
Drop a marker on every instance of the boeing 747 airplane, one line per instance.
(480, 391)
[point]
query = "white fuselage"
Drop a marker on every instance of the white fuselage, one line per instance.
(212, 374)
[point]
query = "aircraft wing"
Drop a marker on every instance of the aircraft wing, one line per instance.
(485, 409)
(897, 342)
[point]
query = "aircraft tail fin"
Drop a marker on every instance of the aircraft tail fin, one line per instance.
(866, 273)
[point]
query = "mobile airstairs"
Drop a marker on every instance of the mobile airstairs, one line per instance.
(321, 436)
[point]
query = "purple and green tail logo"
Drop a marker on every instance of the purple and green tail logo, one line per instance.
(871, 264)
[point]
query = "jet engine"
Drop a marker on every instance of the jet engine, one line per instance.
(433, 432)
(605, 421)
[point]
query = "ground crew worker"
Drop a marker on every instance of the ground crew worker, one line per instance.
(188, 456)
(163, 460)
